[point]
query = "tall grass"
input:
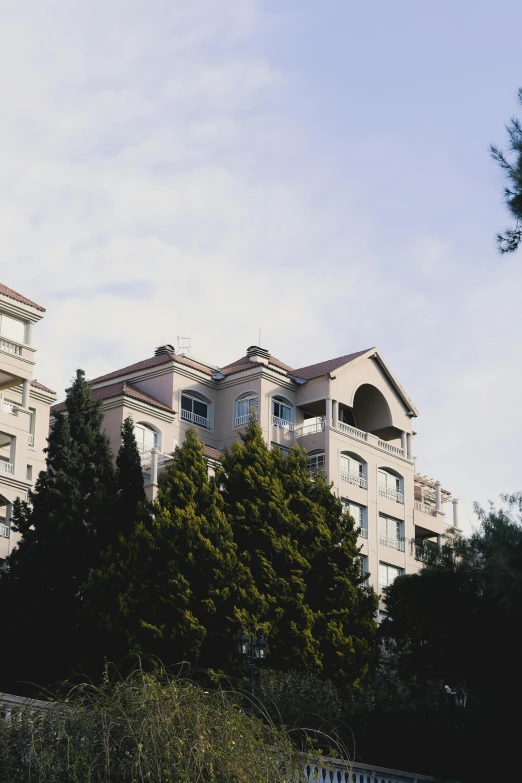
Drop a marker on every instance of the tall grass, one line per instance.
(144, 729)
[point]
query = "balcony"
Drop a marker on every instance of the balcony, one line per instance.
(9, 347)
(6, 467)
(283, 424)
(242, 421)
(394, 543)
(431, 510)
(354, 478)
(193, 418)
(354, 434)
(391, 494)
(7, 407)
(309, 429)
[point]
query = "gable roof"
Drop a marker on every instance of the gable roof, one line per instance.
(211, 453)
(40, 386)
(117, 390)
(5, 291)
(323, 368)
(153, 361)
(245, 363)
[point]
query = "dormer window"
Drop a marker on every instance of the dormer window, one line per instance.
(282, 413)
(195, 409)
(146, 437)
(246, 407)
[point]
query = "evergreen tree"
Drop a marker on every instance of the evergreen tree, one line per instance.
(510, 240)
(60, 526)
(177, 587)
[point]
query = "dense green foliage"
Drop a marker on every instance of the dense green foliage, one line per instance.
(509, 241)
(144, 730)
(259, 545)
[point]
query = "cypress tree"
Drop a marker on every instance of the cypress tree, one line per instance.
(40, 594)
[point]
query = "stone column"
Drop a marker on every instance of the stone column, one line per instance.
(335, 412)
(154, 465)
(28, 339)
(26, 386)
(455, 503)
(404, 446)
(328, 403)
(439, 542)
(438, 497)
(408, 445)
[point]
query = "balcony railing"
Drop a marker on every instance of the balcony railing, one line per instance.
(7, 407)
(353, 432)
(30, 439)
(309, 429)
(391, 494)
(363, 532)
(6, 467)
(9, 347)
(354, 478)
(394, 543)
(201, 421)
(4, 531)
(282, 423)
(241, 421)
(390, 448)
(426, 509)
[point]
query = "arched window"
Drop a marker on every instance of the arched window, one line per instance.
(282, 411)
(246, 406)
(146, 437)
(196, 409)
(316, 463)
(353, 469)
(391, 485)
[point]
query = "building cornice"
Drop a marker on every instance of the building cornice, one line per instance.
(137, 405)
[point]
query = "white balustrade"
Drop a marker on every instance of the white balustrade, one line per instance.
(309, 429)
(241, 421)
(201, 421)
(6, 467)
(391, 494)
(282, 423)
(354, 478)
(4, 531)
(431, 510)
(353, 432)
(30, 439)
(9, 347)
(395, 543)
(7, 407)
(328, 770)
(390, 448)
(363, 532)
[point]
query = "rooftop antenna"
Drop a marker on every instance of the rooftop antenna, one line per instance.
(183, 345)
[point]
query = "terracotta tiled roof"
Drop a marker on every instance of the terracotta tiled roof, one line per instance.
(212, 453)
(426, 482)
(247, 364)
(5, 291)
(40, 386)
(122, 388)
(323, 368)
(163, 358)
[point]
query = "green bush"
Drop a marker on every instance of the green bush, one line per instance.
(152, 729)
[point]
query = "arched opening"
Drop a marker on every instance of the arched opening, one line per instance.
(282, 412)
(246, 406)
(353, 469)
(147, 436)
(372, 413)
(196, 409)
(316, 463)
(390, 484)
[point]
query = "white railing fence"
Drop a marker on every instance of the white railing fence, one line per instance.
(426, 509)
(396, 450)
(7, 407)
(241, 421)
(353, 432)
(4, 531)
(309, 429)
(201, 421)
(329, 770)
(354, 478)
(395, 543)
(282, 423)
(6, 467)
(9, 347)
(391, 494)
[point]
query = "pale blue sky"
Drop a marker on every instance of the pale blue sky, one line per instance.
(319, 170)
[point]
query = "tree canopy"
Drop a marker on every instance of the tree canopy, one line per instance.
(511, 164)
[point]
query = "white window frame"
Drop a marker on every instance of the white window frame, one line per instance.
(391, 532)
(360, 517)
(353, 470)
(143, 445)
(387, 567)
(315, 457)
(390, 486)
(191, 418)
(285, 422)
(241, 418)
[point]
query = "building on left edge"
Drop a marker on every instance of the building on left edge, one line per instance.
(24, 408)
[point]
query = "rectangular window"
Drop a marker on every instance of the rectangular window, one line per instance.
(363, 560)
(12, 328)
(359, 515)
(29, 473)
(388, 574)
(195, 411)
(317, 463)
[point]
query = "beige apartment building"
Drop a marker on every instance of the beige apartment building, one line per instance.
(24, 408)
(350, 414)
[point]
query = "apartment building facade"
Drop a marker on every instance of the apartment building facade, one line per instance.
(350, 414)
(24, 408)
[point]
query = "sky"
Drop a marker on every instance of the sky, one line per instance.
(316, 170)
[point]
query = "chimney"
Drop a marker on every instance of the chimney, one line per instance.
(164, 349)
(256, 354)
